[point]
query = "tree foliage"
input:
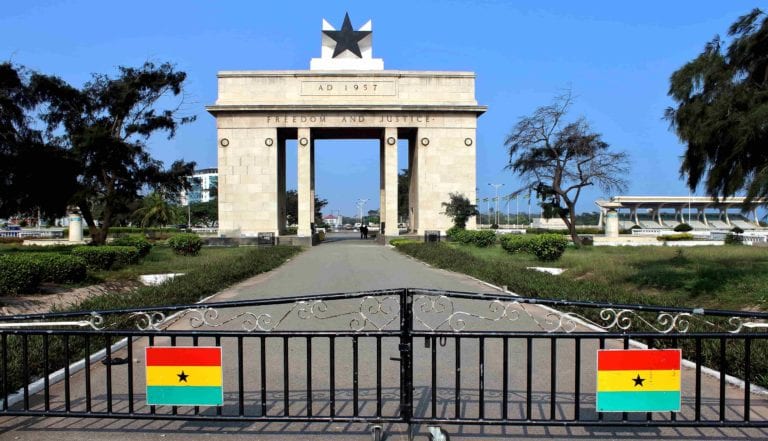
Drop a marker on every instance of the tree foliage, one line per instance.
(292, 208)
(559, 159)
(104, 127)
(722, 109)
(155, 211)
(459, 209)
(403, 189)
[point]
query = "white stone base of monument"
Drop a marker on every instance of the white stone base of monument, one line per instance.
(334, 64)
(75, 228)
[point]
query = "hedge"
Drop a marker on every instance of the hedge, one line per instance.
(141, 243)
(675, 237)
(546, 247)
(682, 228)
(480, 238)
(11, 240)
(18, 274)
(186, 244)
(59, 268)
(104, 257)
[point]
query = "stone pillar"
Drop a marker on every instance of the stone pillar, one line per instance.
(75, 227)
(312, 181)
(389, 167)
(612, 223)
(281, 168)
(304, 174)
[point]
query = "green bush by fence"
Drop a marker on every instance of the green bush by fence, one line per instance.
(59, 268)
(139, 242)
(546, 247)
(186, 244)
(479, 238)
(683, 228)
(11, 240)
(675, 237)
(18, 274)
(104, 257)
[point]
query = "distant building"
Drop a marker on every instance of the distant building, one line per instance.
(203, 182)
(332, 221)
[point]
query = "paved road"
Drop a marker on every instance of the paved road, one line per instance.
(354, 265)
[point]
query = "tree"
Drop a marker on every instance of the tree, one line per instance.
(104, 127)
(558, 160)
(205, 213)
(292, 208)
(459, 209)
(403, 189)
(34, 174)
(722, 109)
(155, 211)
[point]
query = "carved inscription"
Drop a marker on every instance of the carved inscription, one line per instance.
(348, 88)
(352, 120)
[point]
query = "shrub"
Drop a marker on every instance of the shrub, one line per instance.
(517, 243)
(683, 228)
(737, 230)
(548, 247)
(494, 226)
(733, 239)
(60, 268)
(18, 274)
(186, 244)
(675, 237)
(452, 232)
(482, 238)
(11, 240)
(104, 257)
(398, 242)
(141, 243)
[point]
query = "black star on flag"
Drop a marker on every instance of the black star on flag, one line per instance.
(347, 38)
(182, 377)
(638, 381)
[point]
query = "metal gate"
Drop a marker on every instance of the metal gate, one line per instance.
(410, 356)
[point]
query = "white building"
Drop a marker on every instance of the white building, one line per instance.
(202, 182)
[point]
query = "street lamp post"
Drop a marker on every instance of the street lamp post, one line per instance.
(497, 186)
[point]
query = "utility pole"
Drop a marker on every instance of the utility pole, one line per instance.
(360, 204)
(497, 186)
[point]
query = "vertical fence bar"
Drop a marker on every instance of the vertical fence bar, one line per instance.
(46, 382)
(240, 378)
(747, 373)
(286, 389)
(601, 343)
(697, 403)
(723, 370)
(354, 377)
(406, 344)
(174, 409)
(332, 373)
(553, 379)
(217, 340)
(109, 372)
(577, 379)
(378, 376)
(528, 377)
(25, 369)
(309, 376)
(153, 408)
(457, 397)
(434, 376)
(481, 374)
(130, 373)
(6, 393)
(505, 381)
(263, 372)
(88, 373)
(67, 385)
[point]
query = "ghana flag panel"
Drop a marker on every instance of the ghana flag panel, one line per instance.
(638, 380)
(184, 376)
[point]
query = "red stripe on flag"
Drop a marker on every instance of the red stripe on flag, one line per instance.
(183, 356)
(638, 359)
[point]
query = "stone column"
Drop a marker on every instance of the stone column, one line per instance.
(312, 181)
(75, 227)
(389, 166)
(612, 223)
(304, 174)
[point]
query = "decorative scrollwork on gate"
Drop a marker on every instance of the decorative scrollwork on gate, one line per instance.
(439, 312)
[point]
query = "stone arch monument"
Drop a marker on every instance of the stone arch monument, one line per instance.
(346, 94)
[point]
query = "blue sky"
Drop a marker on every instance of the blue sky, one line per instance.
(616, 57)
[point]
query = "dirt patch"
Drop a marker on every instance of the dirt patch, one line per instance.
(52, 296)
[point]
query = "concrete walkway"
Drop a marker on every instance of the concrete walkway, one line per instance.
(355, 265)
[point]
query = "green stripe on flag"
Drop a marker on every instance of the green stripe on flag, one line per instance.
(185, 395)
(651, 401)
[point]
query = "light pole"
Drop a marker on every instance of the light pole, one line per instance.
(497, 186)
(360, 205)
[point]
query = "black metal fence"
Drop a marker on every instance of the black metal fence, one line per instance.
(400, 356)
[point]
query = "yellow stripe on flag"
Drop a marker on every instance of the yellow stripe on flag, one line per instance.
(192, 376)
(648, 380)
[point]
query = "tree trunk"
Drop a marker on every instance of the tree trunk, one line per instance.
(570, 222)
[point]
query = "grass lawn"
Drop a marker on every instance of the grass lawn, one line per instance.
(726, 277)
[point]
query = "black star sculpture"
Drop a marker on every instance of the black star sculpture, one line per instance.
(347, 38)
(182, 377)
(638, 381)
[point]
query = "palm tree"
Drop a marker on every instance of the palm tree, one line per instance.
(155, 210)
